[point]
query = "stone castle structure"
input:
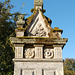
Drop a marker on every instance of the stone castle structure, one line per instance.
(38, 46)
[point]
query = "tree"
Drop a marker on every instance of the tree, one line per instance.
(7, 26)
(69, 66)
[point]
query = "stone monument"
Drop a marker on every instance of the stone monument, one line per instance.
(38, 46)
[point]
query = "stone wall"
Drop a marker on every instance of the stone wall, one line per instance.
(38, 68)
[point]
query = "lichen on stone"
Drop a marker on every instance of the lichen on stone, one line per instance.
(57, 29)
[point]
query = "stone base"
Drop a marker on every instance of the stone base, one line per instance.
(38, 67)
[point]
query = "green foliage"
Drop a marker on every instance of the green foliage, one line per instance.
(69, 66)
(7, 29)
(7, 26)
(6, 55)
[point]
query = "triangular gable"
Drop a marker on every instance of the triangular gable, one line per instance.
(39, 27)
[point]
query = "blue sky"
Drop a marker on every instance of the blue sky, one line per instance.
(62, 14)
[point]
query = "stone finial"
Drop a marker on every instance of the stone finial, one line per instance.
(20, 21)
(38, 4)
(20, 17)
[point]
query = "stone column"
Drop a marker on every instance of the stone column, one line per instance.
(58, 51)
(19, 50)
(38, 51)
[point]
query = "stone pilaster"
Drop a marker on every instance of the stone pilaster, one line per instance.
(19, 50)
(58, 51)
(38, 51)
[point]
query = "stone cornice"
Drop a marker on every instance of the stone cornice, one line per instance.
(37, 40)
(19, 45)
(37, 60)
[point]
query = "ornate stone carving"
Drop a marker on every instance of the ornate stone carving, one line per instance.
(48, 53)
(39, 31)
(29, 53)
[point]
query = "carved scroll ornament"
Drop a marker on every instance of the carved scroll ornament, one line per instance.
(48, 53)
(29, 53)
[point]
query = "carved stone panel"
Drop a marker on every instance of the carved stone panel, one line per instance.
(28, 72)
(39, 31)
(29, 53)
(49, 72)
(48, 53)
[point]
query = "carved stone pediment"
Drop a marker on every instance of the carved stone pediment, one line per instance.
(38, 27)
